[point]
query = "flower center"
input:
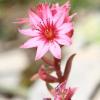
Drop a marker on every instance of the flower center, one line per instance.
(49, 34)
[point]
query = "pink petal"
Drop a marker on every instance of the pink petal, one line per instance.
(29, 32)
(65, 28)
(41, 49)
(54, 8)
(46, 11)
(55, 50)
(34, 19)
(64, 40)
(67, 6)
(22, 21)
(73, 15)
(60, 20)
(57, 16)
(33, 42)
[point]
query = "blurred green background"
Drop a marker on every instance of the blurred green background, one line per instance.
(21, 62)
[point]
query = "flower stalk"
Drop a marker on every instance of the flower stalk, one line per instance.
(58, 69)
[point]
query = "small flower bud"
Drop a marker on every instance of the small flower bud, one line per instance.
(45, 76)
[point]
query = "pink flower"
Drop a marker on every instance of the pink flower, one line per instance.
(49, 28)
(63, 93)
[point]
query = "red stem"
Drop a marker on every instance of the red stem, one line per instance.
(58, 70)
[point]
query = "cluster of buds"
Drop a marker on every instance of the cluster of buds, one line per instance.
(60, 92)
(63, 93)
(50, 27)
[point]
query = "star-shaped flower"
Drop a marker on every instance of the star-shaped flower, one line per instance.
(50, 27)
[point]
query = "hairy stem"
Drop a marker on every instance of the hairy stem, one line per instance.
(58, 69)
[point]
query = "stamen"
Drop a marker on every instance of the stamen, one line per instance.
(49, 34)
